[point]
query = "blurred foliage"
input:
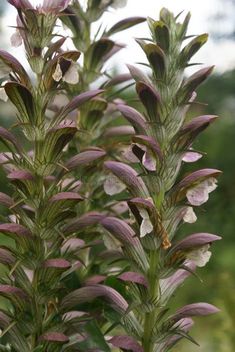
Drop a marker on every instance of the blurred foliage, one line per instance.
(218, 287)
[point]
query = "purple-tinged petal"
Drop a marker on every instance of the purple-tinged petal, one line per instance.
(20, 175)
(124, 233)
(96, 279)
(117, 131)
(84, 158)
(119, 229)
(195, 309)
(195, 240)
(54, 336)
(126, 343)
(12, 290)
(138, 75)
(58, 263)
(63, 196)
(149, 142)
(184, 325)
(129, 177)
(118, 79)
(124, 24)
(6, 257)
(192, 82)
(6, 135)
(76, 102)
(15, 229)
(6, 200)
(193, 179)
(134, 117)
(131, 276)
(72, 245)
(150, 99)
(15, 66)
(21, 4)
(89, 219)
(189, 131)
(191, 157)
(171, 283)
(89, 293)
(55, 5)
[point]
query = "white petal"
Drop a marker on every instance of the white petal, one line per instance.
(200, 256)
(211, 184)
(113, 185)
(197, 195)
(128, 155)
(120, 207)
(143, 213)
(16, 39)
(71, 76)
(149, 161)
(29, 273)
(145, 227)
(190, 216)
(3, 95)
(191, 157)
(57, 75)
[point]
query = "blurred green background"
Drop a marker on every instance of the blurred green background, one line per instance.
(217, 285)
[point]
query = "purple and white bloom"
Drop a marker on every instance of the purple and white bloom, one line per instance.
(128, 154)
(48, 6)
(71, 76)
(16, 39)
(200, 256)
(191, 157)
(3, 94)
(189, 216)
(199, 194)
(146, 226)
(113, 185)
(145, 156)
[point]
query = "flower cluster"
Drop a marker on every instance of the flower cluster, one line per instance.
(94, 255)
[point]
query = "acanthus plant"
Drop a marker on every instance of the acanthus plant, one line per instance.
(160, 198)
(51, 304)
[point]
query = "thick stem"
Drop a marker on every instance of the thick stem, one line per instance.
(150, 318)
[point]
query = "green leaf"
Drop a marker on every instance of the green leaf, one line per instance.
(96, 336)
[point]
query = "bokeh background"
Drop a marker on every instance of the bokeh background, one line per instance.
(216, 282)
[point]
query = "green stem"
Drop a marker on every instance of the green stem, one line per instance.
(150, 318)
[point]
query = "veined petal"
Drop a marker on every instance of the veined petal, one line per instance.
(191, 157)
(149, 161)
(145, 227)
(200, 256)
(199, 194)
(57, 75)
(189, 216)
(71, 76)
(113, 185)
(16, 39)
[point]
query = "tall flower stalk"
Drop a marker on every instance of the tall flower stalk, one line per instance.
(161, 200)
(79, 278)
